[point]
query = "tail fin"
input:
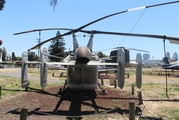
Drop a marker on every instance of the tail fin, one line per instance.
(13, 56)
(43, 67)
(165, 60)
(146, 56)
(121, 67)
(24, 70)
(174, 57)
(168, 55)
(90, 43)
(139, 70)
(75, 43)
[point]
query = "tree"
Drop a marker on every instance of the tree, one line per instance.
(4, 54)
(52, 3)
(2, 2)
(19, 58)
(57, 48)
(32, 56)
(101, 55)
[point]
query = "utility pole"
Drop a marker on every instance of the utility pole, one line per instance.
(38, 41)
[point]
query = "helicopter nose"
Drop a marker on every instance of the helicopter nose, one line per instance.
(83, 55)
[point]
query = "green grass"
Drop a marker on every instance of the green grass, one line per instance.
(170, 114)
(11, 86)
(36, 72)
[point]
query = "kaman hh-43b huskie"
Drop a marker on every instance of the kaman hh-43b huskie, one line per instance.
(82, 65)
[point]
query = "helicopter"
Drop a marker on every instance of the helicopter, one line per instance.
(82, 57)
(82, 65)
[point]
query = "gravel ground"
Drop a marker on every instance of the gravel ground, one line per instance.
(41, 104)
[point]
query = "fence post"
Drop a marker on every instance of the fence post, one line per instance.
(102, 82)
(0, 91)
(127, 75)
(140, 98)
(24, 113)
(52, 74)
(61, 74)
(132, 89)
(132, 110)
(115, 83)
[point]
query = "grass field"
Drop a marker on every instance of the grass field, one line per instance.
(157, 104)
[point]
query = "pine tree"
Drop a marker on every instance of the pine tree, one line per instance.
(4, 54)
(57, 48)
(32, 56)
(2, 2)
(52, 3)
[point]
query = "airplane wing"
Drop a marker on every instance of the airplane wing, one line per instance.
(171, 66)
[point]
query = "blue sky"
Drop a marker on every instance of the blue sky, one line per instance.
(22, 15)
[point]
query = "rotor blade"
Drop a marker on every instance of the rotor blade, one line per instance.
(122, 47)
(56, 56)
(129, 10)
(88, 24)
(138, 50)
(35, 30)
(134, 35)
(105, 49)
(174, 42)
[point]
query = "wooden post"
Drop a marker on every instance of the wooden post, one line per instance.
(140, 98)
(127, 75)
(24, 113)
(0, 91)
(61, 74)
(115, 83)
(132, 110)
(52, 74)
(102, 82)
(132, 89)
(168, 74)
(26, 88)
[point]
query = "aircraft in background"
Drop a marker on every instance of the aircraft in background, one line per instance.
(154, 62)
(11, 62)
(167, 65)
(146, 61)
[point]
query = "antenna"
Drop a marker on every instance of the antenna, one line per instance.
(39, 41)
